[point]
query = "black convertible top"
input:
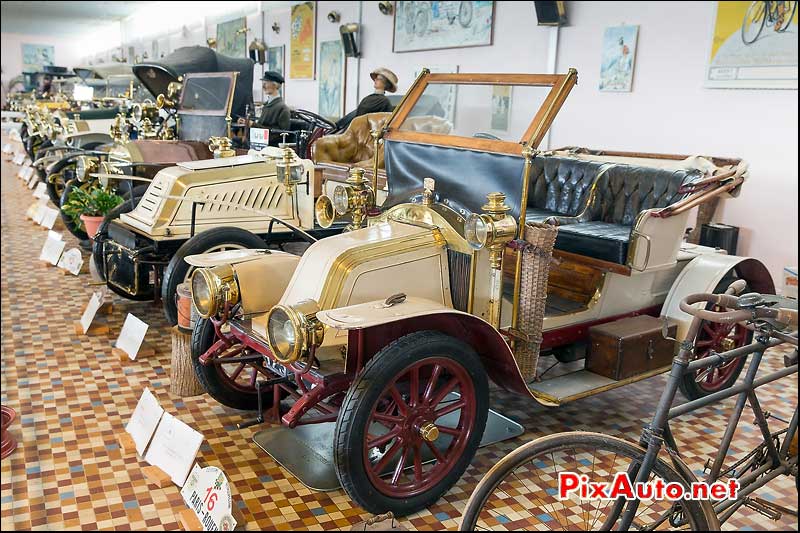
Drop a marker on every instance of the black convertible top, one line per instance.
(156, 75)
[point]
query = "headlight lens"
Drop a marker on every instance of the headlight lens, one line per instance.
(341, 200)
(292, 330)
(213, 288)
(83, 167)
(476, 231)
(136, 112)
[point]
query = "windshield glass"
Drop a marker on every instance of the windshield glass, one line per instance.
(500, 112)
(206, 93)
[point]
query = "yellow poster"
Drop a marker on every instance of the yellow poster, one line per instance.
(302, 43)
(754, 46)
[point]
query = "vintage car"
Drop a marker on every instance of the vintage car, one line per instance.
(227, 203)
(178, 127)
(392, 332)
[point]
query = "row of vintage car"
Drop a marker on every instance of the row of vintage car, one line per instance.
(407, 302)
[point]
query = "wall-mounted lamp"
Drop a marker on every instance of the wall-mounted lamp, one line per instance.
(276, 27)
(242, 31)
(334, 16)
(211, 42)
(258, 51)
(349, 34)
(386, 7)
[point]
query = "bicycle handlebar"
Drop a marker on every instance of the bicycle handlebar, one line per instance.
(787, 317)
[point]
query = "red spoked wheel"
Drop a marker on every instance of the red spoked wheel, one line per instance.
(411, 423)
(714, 337)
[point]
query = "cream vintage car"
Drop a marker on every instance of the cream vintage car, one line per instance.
(391, 332)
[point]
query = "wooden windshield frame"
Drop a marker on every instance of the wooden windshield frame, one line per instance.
(560, 87)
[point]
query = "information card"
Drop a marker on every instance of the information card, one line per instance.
(132, 335)
(208, 494)
(144, 420)
(173, 448)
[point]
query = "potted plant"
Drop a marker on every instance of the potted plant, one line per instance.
(90, 206)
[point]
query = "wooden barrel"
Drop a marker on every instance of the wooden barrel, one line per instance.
(183, 381)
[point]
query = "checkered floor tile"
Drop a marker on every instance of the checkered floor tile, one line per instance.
(73, 398)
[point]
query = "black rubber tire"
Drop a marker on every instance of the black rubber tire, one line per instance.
(178, 269)
(102, 230)
(202, 338)
(693, 509)
(76, 229)
(688, 386)
(366, 390)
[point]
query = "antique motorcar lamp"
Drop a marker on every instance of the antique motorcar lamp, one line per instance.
(84, 166)
(213, 289)
(290, 170)
(351, 199)
(293, 330)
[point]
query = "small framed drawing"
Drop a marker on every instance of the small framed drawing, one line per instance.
(619, 57)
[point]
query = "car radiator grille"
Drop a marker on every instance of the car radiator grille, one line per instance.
(460, 265)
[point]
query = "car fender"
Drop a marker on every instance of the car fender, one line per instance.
(373, 325)
(703, 274)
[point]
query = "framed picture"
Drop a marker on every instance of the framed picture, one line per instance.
(618, 59)
(754, 46)
(435, 25)
(276, 61)
(501, 107)
(231, 40)
(332, 72)
(35, 56)
(302, 41)
(444, 93)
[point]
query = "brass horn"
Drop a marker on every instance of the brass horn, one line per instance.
(324, 211)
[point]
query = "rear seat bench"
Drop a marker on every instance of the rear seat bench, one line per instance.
(560, 187)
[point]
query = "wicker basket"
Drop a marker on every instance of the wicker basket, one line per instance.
(536, 255)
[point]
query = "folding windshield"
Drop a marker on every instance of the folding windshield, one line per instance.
(208, 93)
(493, 112)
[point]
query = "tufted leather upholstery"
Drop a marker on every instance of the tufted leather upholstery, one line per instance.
(623, 192)
(560, 186)
(354, 146)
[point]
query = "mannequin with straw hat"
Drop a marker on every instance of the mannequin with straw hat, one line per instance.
(384, 80)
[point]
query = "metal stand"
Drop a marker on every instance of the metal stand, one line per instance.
(307, 451)
(260, 418)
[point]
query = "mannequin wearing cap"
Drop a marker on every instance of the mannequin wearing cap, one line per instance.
(275, 114)
(384, 80)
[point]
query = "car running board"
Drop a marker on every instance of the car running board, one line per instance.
(580, 384)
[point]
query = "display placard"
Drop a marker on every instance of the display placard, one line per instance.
(173, 448)
(95, 302)
(259, 138)
(72, 261)
(52, 249)
(49, 217)
(132, 335)
(7, 148)
(41, 190)
(144, 420)
(208, 493)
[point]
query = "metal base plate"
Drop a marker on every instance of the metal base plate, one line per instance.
(307, 451)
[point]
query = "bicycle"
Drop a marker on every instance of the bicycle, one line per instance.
(762, 14)
(522, 490)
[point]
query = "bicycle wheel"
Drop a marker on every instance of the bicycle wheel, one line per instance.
(789, 9)
(520, 492)
(753, 22)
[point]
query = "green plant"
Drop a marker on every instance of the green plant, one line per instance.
(93, 202)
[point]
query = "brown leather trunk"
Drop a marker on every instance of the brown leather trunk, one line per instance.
(629, 347)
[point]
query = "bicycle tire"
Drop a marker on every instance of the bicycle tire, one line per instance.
(699, 513)
(788, 21)
(761, 26)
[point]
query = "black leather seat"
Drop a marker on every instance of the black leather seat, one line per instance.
(560, 186)
(623, 192)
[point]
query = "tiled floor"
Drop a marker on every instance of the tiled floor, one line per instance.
(73, 398)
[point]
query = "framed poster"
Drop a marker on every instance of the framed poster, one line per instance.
(231, 40)
(501, 107)
(435, 25)
(302, 41)
(619, 56)
(276, 61)
(35, 56)
(331, 80)
(754, 46)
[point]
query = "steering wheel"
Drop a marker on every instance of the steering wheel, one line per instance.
(315, 120)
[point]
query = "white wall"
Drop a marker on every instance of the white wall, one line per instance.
(669, 111)
(67, 54)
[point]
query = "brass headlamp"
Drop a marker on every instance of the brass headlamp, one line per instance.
(493, 228)
(213, 288)
(293, 330)
(290, 169)
(85, 165)
(119, 130)
(221, 147)
(354, 198)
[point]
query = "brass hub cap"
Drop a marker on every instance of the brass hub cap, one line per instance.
(429, 432)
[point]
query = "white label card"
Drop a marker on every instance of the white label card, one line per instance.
(173, 448)
(144, 420)
(41, 190)
(208, 493)
(7, 148)
(71, 261)
(49, 217)
(132, 335)
(259, 138)
(53, 246)
(95, 302)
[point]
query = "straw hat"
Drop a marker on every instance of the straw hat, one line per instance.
(388, 75)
